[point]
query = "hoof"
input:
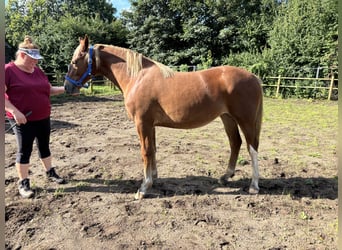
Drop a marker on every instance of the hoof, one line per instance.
(253, 190)
(223, 180)
(139, 195)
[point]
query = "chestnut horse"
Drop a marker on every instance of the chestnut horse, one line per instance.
(154, 95)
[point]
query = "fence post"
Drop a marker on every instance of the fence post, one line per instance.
(331, 86)
(58, 78)
(278, 86)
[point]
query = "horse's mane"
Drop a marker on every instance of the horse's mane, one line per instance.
(134, 61)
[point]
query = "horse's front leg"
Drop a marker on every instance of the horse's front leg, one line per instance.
(147, 146)
(154, 164)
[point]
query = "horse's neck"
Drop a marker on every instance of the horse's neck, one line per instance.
(115, 69)
(117, 74)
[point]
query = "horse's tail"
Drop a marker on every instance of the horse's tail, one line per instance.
(259, 114)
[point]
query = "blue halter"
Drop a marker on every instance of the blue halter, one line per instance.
(85, 74)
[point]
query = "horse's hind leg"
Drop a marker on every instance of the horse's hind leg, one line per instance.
(147, 146)
(252, 139)
(233, 134)
(254, 187)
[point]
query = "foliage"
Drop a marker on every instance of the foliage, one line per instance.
(304, 34)
(56, 26)
(179, 32)
(268, 37)
(58, 50)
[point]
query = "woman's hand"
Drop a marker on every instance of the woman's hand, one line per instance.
(19, 117)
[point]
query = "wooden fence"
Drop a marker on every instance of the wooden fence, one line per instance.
(281, 83)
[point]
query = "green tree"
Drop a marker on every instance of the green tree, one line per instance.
(197, 32)
(87, 8)
(60, 38)
(304, 34)
(153, 28)
(56, 26)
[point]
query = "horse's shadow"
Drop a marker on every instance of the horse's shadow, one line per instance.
(297, 187)
(59, 124)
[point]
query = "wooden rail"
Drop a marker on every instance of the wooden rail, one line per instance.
(280, 78)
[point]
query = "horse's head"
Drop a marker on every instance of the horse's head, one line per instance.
(79, 71)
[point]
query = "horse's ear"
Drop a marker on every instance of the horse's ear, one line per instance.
(86, 42)
(81, 41)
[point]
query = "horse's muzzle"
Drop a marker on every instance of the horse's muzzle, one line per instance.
(70, 88)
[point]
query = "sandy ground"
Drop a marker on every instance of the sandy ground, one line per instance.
(96, 148)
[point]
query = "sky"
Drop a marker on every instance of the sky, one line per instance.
(120, 5)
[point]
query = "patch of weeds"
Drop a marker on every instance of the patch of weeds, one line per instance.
(297, 160)
(315, 155)
(216, 146)
(119, 176)
(242, 161)
(334, 226)
(333, 147)
(314, 142)
(33, 185)
(273, 152)
(80, 185)
(59, 192)
(201, 160)
(304, 216)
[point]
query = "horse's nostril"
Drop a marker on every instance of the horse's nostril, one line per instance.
(67, 88)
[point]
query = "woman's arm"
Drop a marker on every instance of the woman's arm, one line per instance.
(19, 117)
(56, 90)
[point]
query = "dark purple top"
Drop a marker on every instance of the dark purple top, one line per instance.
(28, 92)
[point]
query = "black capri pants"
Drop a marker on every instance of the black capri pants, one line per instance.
(27, 133)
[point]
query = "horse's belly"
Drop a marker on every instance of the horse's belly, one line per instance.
(184, 125)
(192, 117)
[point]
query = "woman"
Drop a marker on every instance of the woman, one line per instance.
(27, 103)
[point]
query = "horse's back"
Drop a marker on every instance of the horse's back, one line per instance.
(235, 76)
(231, 81)
(192, 99)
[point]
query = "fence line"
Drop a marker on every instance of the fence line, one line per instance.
(279, 79)
(280, 83)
